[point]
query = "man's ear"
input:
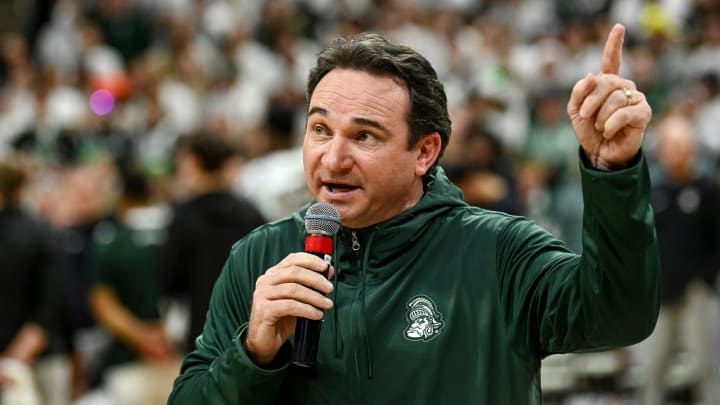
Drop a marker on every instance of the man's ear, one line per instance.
(427, 151)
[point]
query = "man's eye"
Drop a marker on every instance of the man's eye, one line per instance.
(364, 136)
(319, 130)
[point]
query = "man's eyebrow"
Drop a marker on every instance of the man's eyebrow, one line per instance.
(370, 123)
(317, 110)
(358, 120)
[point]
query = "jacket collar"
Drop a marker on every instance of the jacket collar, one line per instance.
(402, 231)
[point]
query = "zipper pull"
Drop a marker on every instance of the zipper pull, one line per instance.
(355, 243)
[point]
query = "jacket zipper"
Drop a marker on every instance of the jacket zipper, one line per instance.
(360, 333)
(355, 242)
(356, 317)
(356, 249)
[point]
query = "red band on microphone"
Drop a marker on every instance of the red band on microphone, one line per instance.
(319, 244)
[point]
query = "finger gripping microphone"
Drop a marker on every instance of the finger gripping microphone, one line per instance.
(322, 222)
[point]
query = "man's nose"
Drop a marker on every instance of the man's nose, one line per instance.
(338, 155)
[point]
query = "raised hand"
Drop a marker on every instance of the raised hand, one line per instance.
(608, 113)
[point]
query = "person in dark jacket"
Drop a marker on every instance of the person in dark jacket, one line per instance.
(204, 225)
(687, 212)
(429, 300)
(31, 297)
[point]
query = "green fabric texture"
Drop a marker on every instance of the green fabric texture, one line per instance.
(495, 293)
(124, 259)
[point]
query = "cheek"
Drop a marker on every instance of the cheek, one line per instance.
(309, 168)
(311, 157)
(306, 162)
(397, 171)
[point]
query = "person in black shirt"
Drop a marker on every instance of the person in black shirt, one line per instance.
(31, 280)
(205, 225)
(687, 218)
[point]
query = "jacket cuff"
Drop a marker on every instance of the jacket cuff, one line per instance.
(585, 164)
(278, 365)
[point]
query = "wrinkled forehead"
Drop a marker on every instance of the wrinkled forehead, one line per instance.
(361, 93)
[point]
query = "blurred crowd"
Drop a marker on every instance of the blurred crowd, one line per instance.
(102, 102)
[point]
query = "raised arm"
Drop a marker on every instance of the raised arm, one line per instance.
(608, 296)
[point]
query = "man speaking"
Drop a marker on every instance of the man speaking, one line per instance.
(429, 300)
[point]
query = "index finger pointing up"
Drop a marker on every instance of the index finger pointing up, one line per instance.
(612, 53)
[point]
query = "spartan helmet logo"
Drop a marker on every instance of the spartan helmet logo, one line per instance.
(425, 321)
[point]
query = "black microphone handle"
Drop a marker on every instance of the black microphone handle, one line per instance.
(307, 336)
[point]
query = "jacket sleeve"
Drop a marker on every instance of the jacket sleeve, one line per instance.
(556, 301)
(219, 370)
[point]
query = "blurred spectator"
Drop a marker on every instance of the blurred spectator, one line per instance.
(275, 183)
(704, 56)
(549, 177)
(706, 117)
(278, 17)
(581, 51)
(98, 59)
(493, 74)
(206, 222)
(58, 45)
(551, 140)
(485, 174)
(37, 14)
(583, 12)
(81, 204)
(687, 217)
(648, 75)
(125, 298)
(126, 26)
(17, 101)
(75, 202)
(31, 299)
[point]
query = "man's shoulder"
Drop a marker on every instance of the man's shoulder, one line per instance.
(472, 216)
(280, 232)
(265, 246)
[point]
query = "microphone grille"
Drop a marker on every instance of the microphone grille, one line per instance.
(322, 217)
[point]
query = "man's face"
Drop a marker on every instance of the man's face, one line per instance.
(419, 327)
(355, 150)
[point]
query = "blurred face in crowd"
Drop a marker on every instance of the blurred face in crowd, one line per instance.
(676, 147)
(356, 153)
(188, 171)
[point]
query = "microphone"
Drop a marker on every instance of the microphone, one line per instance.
(322, 222)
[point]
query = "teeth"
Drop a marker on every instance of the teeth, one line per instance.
(336, 187)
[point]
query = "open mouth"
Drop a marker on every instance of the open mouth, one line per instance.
(339, 188)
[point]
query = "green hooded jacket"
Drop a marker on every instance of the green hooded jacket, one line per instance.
(443, 304)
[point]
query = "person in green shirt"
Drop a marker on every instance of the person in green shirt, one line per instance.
(124, 297)
(428, 300)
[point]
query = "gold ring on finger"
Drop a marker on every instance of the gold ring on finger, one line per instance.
(628, 96)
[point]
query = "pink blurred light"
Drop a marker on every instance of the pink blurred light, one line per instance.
(102, 102)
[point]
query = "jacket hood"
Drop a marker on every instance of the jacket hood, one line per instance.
(440, 196)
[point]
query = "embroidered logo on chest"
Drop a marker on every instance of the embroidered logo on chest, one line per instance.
(425, 322)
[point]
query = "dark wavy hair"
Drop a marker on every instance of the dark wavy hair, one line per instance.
(211, 152)
(375, 55)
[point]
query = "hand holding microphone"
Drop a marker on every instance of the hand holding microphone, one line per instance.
(293, 289)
